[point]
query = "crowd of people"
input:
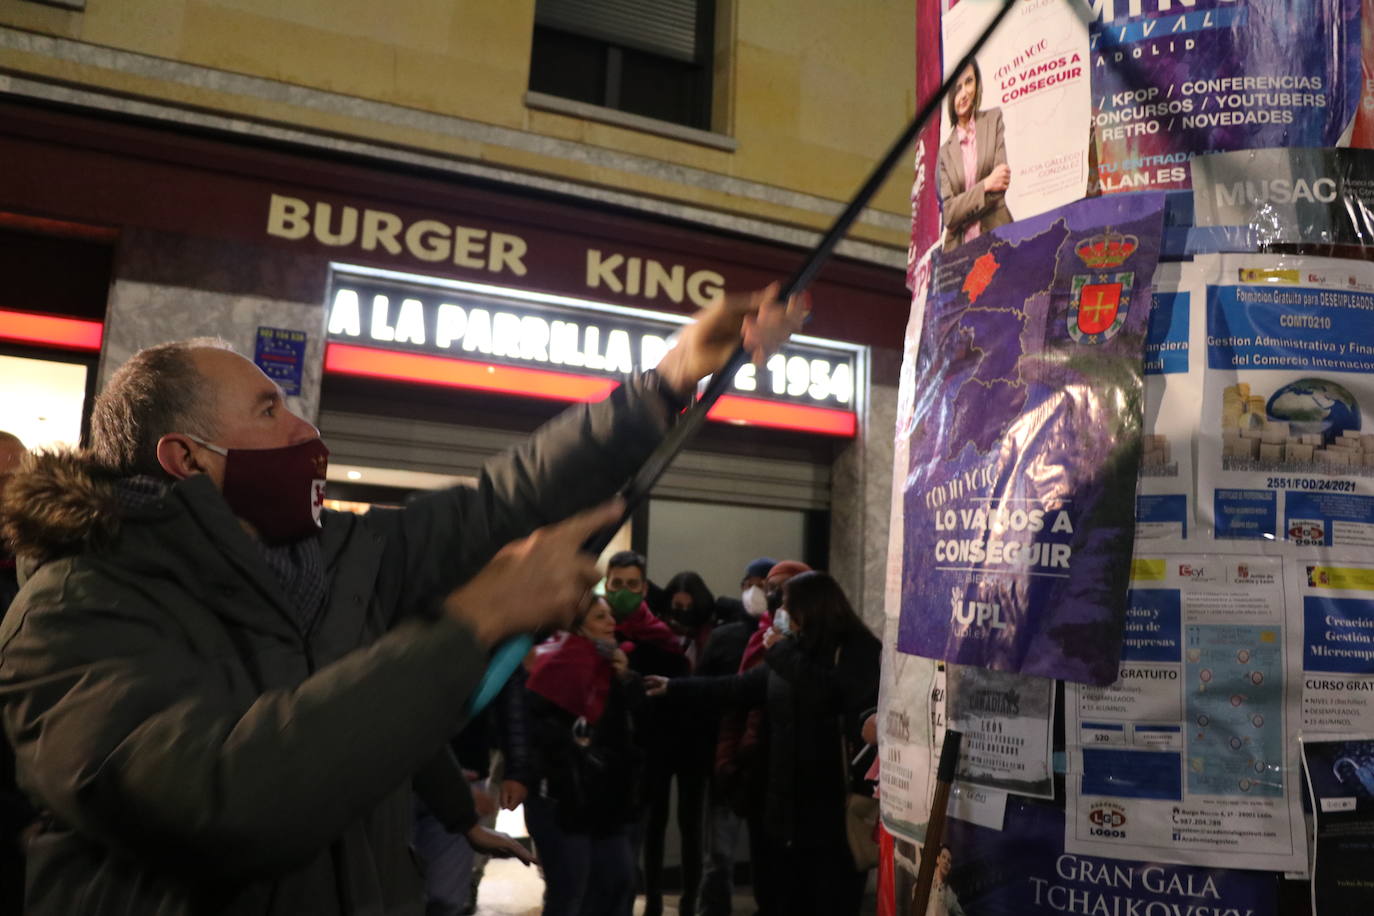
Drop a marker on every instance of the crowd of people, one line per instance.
(751, 708)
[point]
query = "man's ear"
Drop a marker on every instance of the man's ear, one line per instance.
(178, 456)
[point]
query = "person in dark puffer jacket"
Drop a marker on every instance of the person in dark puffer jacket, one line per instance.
(818, 682)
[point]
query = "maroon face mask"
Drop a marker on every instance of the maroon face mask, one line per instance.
(279, 491)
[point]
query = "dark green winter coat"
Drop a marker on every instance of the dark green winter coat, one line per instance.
(191, 750)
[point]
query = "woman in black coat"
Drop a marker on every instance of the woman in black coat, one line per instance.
(582, 698)
(818, 684)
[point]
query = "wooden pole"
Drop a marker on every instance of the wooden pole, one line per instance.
(935, 826)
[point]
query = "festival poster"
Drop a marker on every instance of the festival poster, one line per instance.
(1006, 724)
(1336, 601)
(1186, 757)
(1173, 80)
(1173, 390)
(997, 161)
(1025, 870)
(1284, 453)
(1340, 777)
(1019, 496)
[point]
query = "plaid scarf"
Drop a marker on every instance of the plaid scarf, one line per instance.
(298, 566)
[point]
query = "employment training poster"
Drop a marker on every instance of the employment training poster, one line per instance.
(1335, 601)
(1187, 757)
(1023, 454)
(1025, 870)
(1285, 453)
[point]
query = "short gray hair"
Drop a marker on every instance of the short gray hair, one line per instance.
(158, 391)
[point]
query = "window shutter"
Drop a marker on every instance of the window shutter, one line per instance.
(664, 27)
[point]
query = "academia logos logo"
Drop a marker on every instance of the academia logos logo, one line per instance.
(1107, 820)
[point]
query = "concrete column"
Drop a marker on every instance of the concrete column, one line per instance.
(169, 287)
(861, 502)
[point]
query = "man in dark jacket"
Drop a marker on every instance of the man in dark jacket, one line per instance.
(15, 811)
(220, 704)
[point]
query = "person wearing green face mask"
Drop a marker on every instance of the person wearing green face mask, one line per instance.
(627, 587)
(653, 648)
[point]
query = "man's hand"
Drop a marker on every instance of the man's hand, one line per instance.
(534, 582)
(706, 343)
(772, 636)
(499, 846)
(512, 794)
(870, 730)
(482, 801)
(999, 179)
(655, 685)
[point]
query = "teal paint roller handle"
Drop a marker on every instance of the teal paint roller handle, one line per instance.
(510, 653)
(502, 665)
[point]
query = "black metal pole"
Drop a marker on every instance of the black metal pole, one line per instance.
(639, 486)
(509, 654)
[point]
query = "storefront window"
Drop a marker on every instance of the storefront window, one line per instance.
(41, 400)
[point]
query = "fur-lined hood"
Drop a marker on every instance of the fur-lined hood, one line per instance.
(59, 503)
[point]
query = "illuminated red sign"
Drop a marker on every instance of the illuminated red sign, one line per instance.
(50, 330)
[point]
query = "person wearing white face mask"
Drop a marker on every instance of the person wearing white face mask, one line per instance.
(753, 597)
(722, 656)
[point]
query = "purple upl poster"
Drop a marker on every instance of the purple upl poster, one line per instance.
(1020, 492)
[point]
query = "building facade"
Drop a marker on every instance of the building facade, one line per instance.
(436, 223)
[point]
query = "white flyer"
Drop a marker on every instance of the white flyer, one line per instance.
(1006, 721)
(911, 727)
(1284, 452)
(1186, 758)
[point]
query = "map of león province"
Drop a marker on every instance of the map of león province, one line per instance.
(996, 315)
